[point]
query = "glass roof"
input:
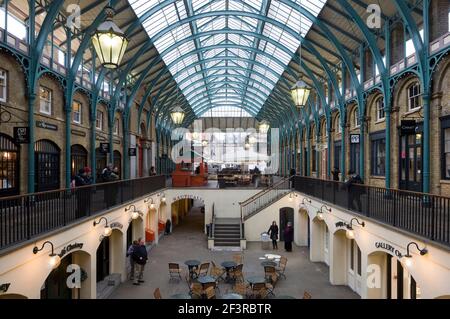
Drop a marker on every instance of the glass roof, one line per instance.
(226, 111)
(216, 49)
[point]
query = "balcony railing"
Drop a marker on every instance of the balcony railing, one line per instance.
(28, 216)
(422, 214)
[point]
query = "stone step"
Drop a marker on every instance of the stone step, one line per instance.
(107, 286)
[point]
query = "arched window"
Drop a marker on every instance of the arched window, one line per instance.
(9, 166)
(356, 117)
(380, 109)
(79, 158)
(414, 101)
(47, 165)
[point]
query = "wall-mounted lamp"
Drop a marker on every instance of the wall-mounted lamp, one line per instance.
(163, 198)
(107, 231)
(408, 257)
(350, 233)
(320, 212)
(135, 214)
(306, 200)
(152, 205)
(291, 197)
(54, 260)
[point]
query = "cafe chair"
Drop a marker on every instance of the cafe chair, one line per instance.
(174, 271)
(236, 273)
(241, 288)
(203, 270)
(157, 294)
(281, 269)
(260, 291)
(210, 293)
(196, 290)
(238, 259)
(306, 295)
(217, 272)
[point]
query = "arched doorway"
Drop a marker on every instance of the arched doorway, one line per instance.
(320, 241)
(100, 163)
(47, 166)
(56, 284)
(118, 162)
(9, 166)
(103, 259)
(389, 279)
(286, 216)
(79, 158)
(111, 259)
(303, 233)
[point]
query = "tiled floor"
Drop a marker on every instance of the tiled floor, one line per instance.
(188, 242)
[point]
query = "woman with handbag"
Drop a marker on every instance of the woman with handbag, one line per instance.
(273, 233)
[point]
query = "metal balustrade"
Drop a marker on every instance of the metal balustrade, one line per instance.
(422, 214)
(28, 216)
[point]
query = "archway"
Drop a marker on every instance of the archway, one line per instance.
(346, 267)
(389, 279)
(9, 166)
(286, 216)
(303, 233)
(79, 158)
(47, 166)
(320, 241)
(56, 285)
(110, 260)
(189, 210)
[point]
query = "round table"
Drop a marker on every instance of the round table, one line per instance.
(256, 280)
(192, 264)
(285, 297)
(228, 265)
(181, 296)
(206, 280)
(269, 264)
(232, 296)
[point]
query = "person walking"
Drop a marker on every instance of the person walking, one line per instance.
(140, 257)
(288, 237)
(152, 171)
(273, 233)
(168, 227)
(355, 190)
(130, 256)
(335, 172)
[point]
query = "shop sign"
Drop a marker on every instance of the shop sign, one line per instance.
(22, 135)
(194, 197)
(388, 247)
(104, 148)
(78, 133)
(116, 225)
(408, 127)
(70, 248)
(354, 138)
(4, 288)
(46, 126)
(132, 151)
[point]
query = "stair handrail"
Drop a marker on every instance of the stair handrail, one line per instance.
(266, 190)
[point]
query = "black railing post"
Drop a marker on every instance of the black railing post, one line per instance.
(28, 201)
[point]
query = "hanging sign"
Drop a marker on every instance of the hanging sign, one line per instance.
(104, 148)
(22, 135)
(408, 127)
(354, 138)
(132, 151)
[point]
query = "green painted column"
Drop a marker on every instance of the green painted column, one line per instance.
(387, 107)
(308, 153)
(93, 136)
(68, 144)
(126, 143)
(31, 153)
(329, 148)
(343, 148)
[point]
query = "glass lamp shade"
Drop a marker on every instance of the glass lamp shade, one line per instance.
(300, 93)
(107, 231)
(320, 216)
(264, 127)
(54, 261)
(177, 115)
(204, 143)
(350, 234)
(109, 42)
(135, 215)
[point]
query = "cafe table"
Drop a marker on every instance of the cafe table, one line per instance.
(192, 265)
(269, 263)
(206, 280)
(228, 265)
(181, 296)
(232, 296)
(256, 280)
(285, 297)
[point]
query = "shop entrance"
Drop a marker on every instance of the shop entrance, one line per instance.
(55, 286)
(411, 159)
(103, 259)
(9, 166)
(286, 216)
(47, 166)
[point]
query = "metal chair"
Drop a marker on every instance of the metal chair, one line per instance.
(157, 294)
(260, 291)
(242, 289)
(306, 295)
(237, 274)
(203, 270)
(174, 271)
(238, 258)
(217, 272)
(281, 269)
(210, 293)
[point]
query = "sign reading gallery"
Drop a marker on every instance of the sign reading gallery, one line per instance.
(389, 248)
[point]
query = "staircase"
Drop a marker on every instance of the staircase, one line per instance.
(264, 199)
(227, 232)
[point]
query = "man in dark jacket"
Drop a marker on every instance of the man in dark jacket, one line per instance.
(355, 190)
(140, 257)
(288, 237)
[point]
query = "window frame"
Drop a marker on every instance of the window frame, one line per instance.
(5, 89)
(41, 100)
(445, 125)
(376, 138)
(80, 112)
(100, 128)
(379, 101)
(417, 96)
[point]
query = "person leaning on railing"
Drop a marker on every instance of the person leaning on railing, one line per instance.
(354, 192)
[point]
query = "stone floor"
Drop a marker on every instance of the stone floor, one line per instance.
(188, 242)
